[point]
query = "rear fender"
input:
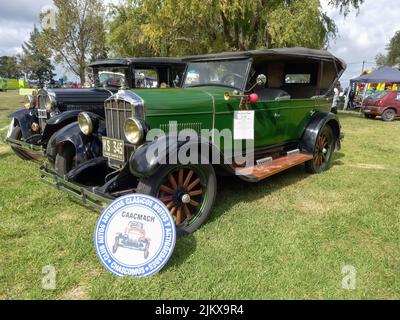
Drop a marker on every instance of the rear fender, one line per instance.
(321, 119)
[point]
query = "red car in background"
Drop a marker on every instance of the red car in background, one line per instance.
(385, 104)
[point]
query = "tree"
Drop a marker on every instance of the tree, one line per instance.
(79, 35)
(392, 58)
(33, 62)
(179, 27)
(9, 67)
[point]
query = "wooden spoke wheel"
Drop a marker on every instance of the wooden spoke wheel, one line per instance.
(323, 151)
(187, 191)
(183, 191)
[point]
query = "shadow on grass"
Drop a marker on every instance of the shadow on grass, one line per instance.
(233, 190)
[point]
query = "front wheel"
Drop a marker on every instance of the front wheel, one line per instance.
(389, 115)
(189, 193)
(323, 152)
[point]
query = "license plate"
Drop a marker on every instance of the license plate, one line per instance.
(42, 114)
(114, 149)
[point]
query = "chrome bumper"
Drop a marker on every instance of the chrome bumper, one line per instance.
(25, 146)
(88, 197)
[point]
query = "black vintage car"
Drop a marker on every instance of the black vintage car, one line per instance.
(31, 128)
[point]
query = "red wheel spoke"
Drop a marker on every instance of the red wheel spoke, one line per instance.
(193, 184)
(196, 193)
(170, 205)
(172, 181)
(188, 178)
(187, 213)
(166, 189)
(166, 199)
(179, 216)
(194, 203)
(173, 210)
(180, 178)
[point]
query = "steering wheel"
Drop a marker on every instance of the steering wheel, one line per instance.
(225, 78)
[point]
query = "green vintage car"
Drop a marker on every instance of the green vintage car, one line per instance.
(251, 114)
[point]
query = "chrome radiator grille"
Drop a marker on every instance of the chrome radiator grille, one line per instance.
(117, 111)
(42, 112)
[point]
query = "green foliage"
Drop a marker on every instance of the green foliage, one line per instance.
(346, 5)
(9, 67)
(33, 62)
(393, 56)
(181, 27)
(79, 36)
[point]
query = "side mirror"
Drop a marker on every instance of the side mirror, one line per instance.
(261, 80)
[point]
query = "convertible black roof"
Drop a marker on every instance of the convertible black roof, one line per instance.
(284, 52)
(143, 60)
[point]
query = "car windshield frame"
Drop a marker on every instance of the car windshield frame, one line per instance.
(247, 63)
(122, 70)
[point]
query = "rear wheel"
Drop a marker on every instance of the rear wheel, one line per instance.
(389, 115)
(16, 134)
(189, 193)
(65, 159)
(324, 149)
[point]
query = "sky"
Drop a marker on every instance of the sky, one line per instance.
(360, 38)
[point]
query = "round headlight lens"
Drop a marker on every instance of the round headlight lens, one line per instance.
(134, 131)
(29, 101)
(49, 104)
(85, 123)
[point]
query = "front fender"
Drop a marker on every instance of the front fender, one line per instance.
(165, 150)
(309, 139)
(56, 123)
(87, 147)
(25, 118)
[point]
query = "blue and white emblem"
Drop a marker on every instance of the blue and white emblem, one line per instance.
(135, 236)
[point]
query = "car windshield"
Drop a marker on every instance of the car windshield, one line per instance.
(230, 73)
(379, 95)
(109, 76)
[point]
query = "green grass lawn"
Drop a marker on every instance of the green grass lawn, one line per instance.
(287, 237)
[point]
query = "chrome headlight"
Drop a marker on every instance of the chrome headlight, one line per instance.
(85, 123)
(134, 131)
(49, 103)
(29, 102)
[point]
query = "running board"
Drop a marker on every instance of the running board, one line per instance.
(270, 168)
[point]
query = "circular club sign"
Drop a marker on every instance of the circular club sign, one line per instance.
(135, 236)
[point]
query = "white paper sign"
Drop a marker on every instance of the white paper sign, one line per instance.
(243, 125)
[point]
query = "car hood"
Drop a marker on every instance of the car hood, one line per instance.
(78, 96)
(159, 102)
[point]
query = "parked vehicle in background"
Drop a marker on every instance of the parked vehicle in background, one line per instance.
(385, 104)
(53, 109)
(279, 100)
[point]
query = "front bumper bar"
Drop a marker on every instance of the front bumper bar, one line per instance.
(88, 196)
(25, 146)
